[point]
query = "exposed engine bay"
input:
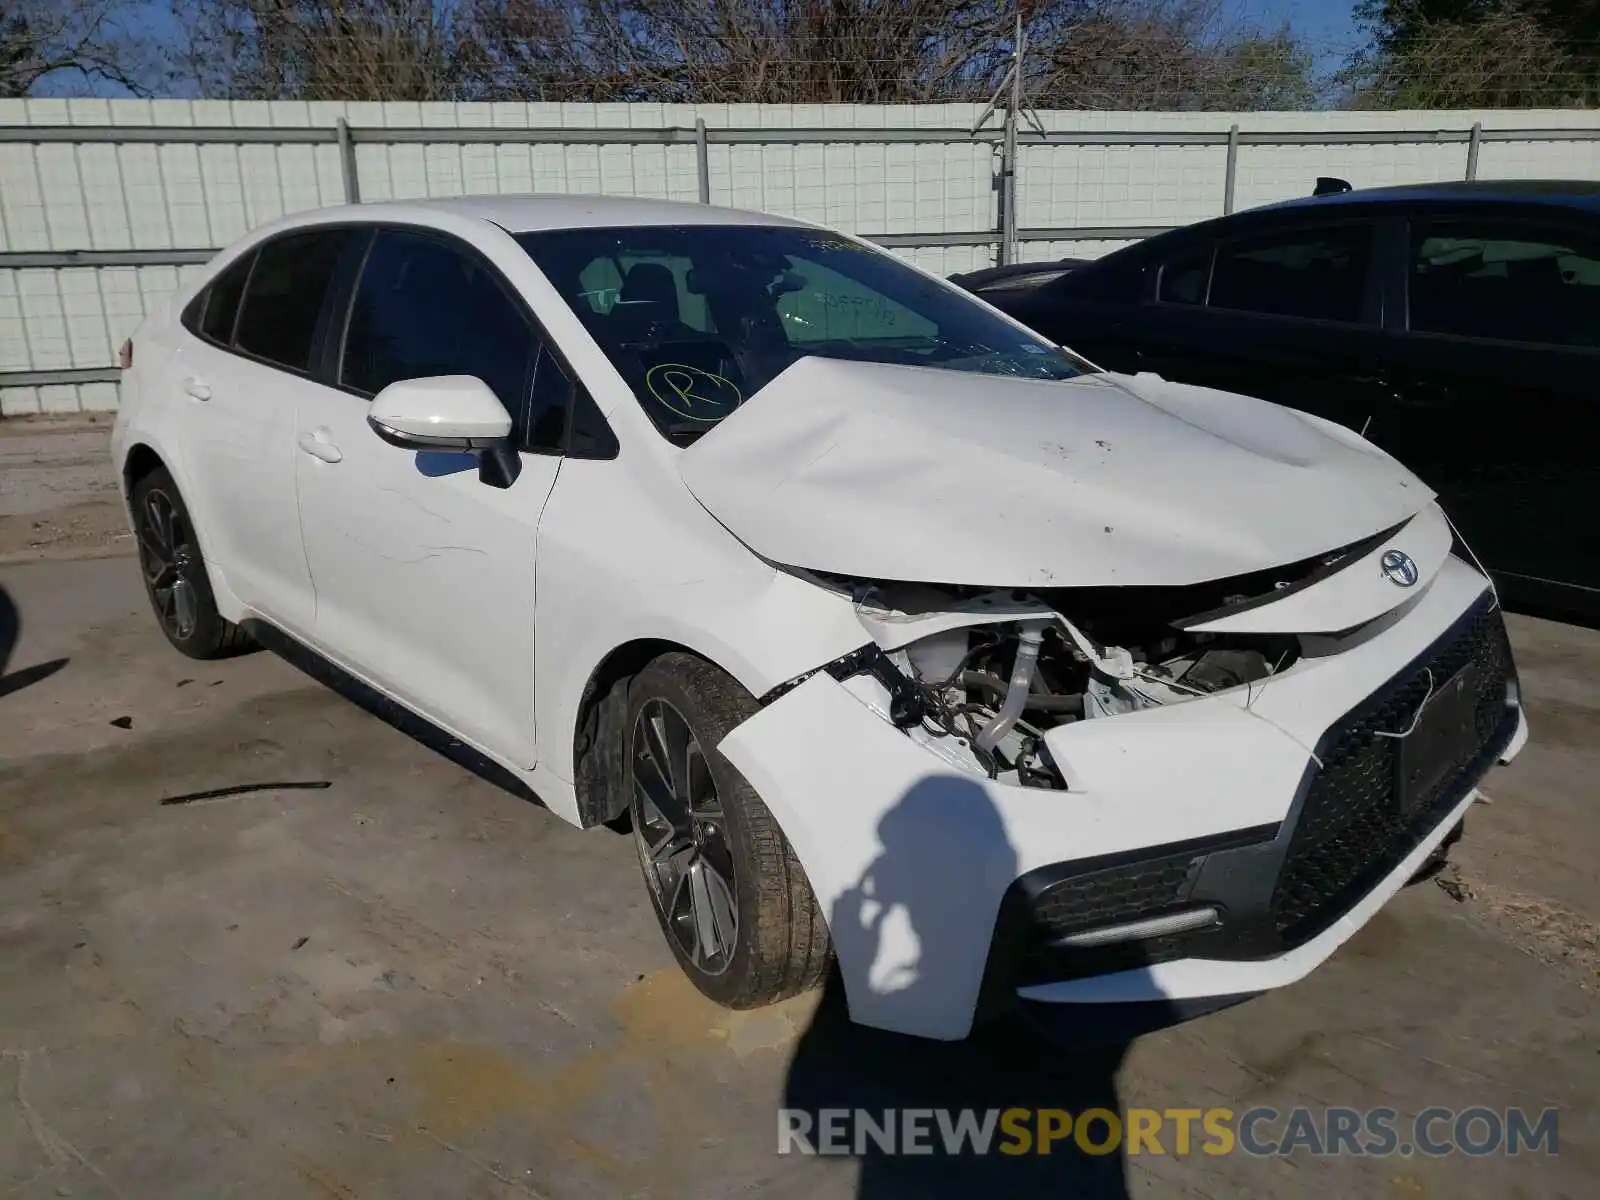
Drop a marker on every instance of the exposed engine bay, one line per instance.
(983, 676)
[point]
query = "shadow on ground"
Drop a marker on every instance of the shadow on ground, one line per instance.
(10, 635)
(933, 841)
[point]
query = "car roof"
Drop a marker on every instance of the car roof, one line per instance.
(1574, 195)
(528, 214)
(1565, 193)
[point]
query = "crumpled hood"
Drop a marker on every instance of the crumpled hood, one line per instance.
(940, 476)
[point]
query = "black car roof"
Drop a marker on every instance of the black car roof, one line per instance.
(1574, 195)
(1564, 193)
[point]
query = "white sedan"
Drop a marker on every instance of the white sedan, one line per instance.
(899, 638)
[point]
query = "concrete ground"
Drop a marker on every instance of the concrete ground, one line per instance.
(58, 494)
(410, 983)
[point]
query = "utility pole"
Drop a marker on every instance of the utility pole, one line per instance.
(1011, 88)
(1008, 211)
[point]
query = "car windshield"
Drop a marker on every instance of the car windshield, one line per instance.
(699, 318)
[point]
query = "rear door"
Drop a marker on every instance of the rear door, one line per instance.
(1495, 367)
(424, 573)
(1292, 315)
(242, 375)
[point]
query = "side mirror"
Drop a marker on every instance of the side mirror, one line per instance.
(448, 412)
(439, 412)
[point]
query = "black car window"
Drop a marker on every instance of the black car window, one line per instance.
(1184, 279)
(588, 435)
(284, 299)
(426, 307)
(549, 403)
(1316, 274)
(698, 318)
(1502, 280)
(221, 306)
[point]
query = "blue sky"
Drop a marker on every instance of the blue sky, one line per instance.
(1323, 22)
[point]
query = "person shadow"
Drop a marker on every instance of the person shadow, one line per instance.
(10, 636)
(942, 832)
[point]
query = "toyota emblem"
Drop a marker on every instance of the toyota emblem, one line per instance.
(1399, 568)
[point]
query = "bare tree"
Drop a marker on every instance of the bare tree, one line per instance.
(1086, 53)
(90, 39)
(862, 51)
(1165, 54)
(317, 49)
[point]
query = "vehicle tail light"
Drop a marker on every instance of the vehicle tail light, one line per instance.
(125, 354)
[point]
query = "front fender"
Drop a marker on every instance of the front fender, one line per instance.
(761, 636)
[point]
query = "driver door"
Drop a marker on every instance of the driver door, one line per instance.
(423, 573)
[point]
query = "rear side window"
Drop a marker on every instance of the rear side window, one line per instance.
(221, 307)
(1505, 281)
(1184, 279)
(424, 307)
(1314, 274)
(284, 299)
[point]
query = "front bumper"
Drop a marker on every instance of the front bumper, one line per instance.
(949, 895)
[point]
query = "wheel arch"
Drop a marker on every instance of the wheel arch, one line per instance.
(597, 732)
(141, 460)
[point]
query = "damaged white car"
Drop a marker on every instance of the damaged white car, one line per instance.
(898, 637)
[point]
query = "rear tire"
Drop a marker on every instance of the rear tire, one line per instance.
(730, 895)
(174, 572)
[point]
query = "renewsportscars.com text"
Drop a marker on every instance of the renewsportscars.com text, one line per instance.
(1259, 1132)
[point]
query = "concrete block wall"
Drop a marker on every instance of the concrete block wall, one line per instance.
(64, 196)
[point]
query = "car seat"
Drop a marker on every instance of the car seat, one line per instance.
(647, 306)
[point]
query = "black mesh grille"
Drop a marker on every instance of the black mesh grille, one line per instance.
(1111, 896)
(1352, 830)
(1125, 893)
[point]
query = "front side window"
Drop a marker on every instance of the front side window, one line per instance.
(699, 318)
(1505, 281)
(549, 402)
(283, 301)
(1313, 274)
(424, 307)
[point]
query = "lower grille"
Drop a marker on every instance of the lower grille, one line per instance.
(1109, 897)
(1351, 830)
(1112, 895)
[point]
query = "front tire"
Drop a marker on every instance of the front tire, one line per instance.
(175, 572)
(726, 887)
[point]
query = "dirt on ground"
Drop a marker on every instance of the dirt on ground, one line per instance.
(58, 491)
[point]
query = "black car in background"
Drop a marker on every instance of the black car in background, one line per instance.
(1456, 324)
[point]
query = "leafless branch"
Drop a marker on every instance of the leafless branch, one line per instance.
(92, 39)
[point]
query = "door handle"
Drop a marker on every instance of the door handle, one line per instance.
(318, 446)
(197, 387)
